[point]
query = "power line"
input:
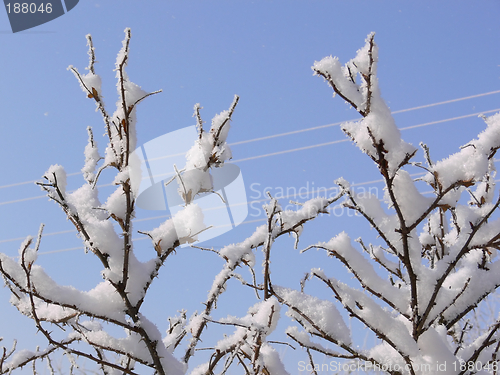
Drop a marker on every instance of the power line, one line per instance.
(313, 192)
(447, 102)
(449, 119)
(243, 222)
(297, 149)
(307, 193)
(33, 181)
(291, 150)
(134, 240)
(346, 140)
(280, 152)
(42, 196)
(301, 131)
(341, 122)
(247, 203)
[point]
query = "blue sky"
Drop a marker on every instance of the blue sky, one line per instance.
(205, 52)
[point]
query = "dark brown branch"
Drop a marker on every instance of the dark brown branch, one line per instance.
(487, 342)
(378, 332)
(358, 277)
(267, 245)
(369, 76)
(60, 344)
(337, 91)
(452, 264)
(229, 269)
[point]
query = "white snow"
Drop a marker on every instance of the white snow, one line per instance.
(323, 313)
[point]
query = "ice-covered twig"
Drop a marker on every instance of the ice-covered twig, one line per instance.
(343, 79)
(340, 248)
(452, 263)
(199, 121)
(374, 317)
(236, 254)
(91, 53)
(272, 210)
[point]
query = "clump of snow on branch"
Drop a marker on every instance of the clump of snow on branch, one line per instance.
(473, 161)
(323, 313)
(376, 133)
(210, 150)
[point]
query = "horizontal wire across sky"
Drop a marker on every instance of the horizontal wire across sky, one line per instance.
(326, 126)
(267, 155)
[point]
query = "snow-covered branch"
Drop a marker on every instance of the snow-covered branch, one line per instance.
(435, 278)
